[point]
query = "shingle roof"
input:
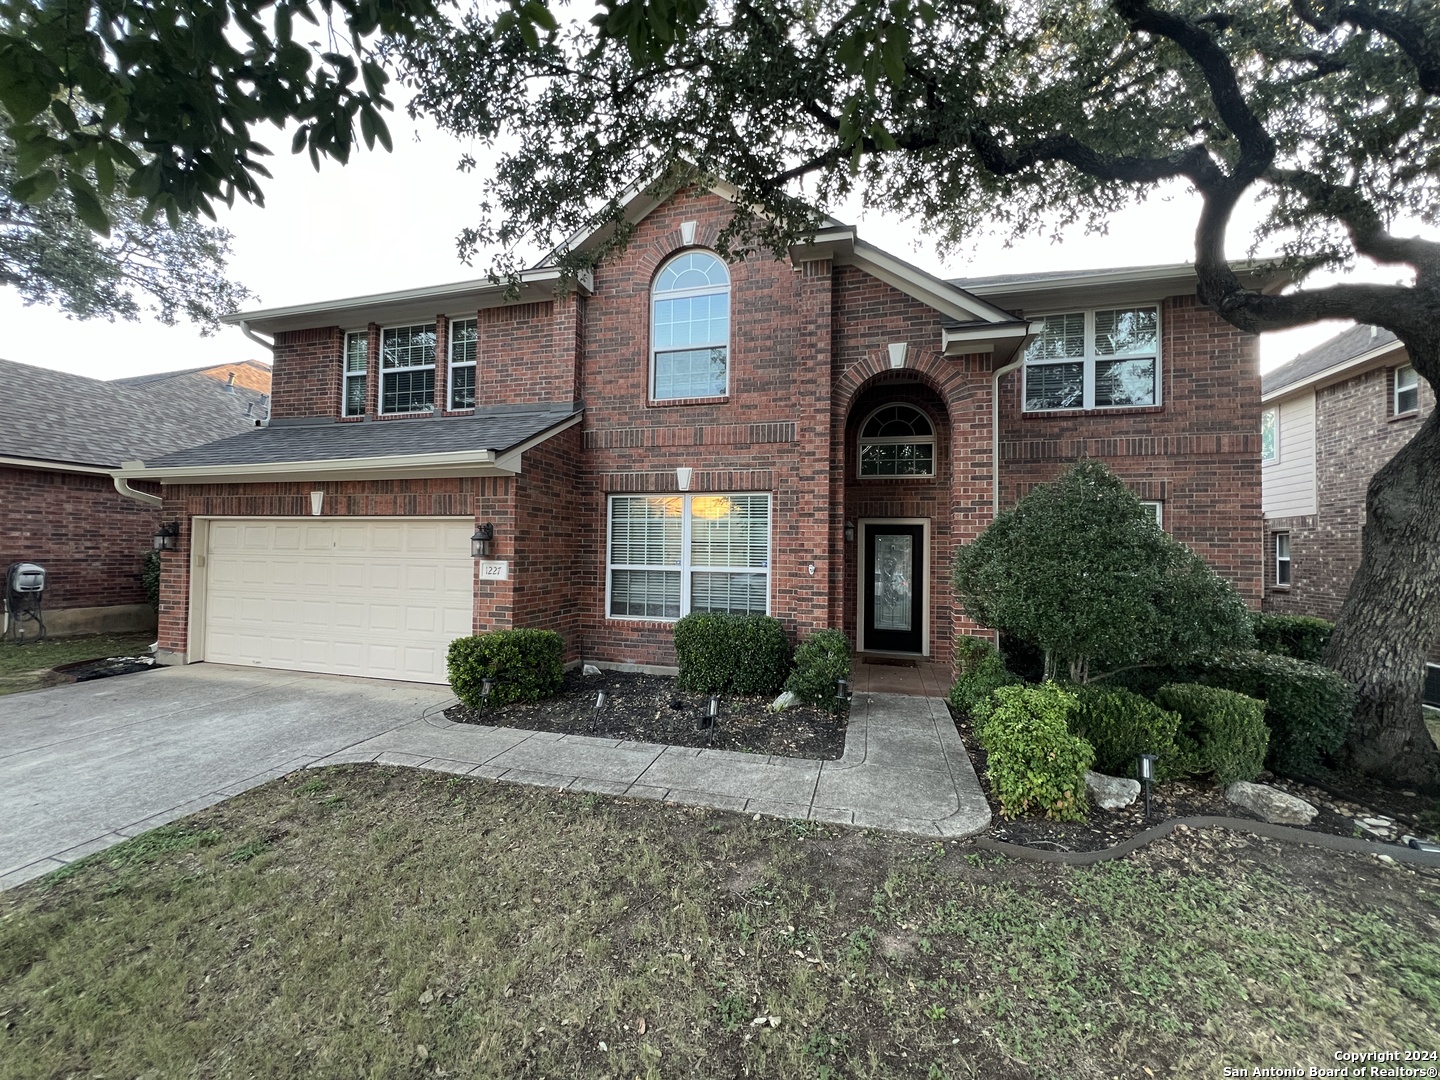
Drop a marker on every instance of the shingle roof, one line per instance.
(49, 415)
(495, 429)
(1357, 341)
(1049, 275)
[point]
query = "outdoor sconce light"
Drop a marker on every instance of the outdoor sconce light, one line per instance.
(849, 532)
(1147, 773)
(167, 537)
(481, 541)
(599, 705)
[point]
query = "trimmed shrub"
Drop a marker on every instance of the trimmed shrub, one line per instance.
(1121, 726)
(822, 659)
(1307, 706)
(524, 665)
(1035, 764)
(739, 654)
(980, 671)
(1221, 732)
(1299, 636)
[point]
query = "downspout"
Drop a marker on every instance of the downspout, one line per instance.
(122, 485)
(268, 345)
(1014, 365)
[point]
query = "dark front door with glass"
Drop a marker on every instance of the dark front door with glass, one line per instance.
(893, 588)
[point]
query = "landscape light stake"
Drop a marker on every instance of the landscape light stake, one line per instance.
(595, 716)
(1147, 773)
(713, 717)
(842, 693)
(487, 685)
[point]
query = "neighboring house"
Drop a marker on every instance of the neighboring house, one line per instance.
(807, 438)
(60, 437)
(1331, 417)
(246, 374)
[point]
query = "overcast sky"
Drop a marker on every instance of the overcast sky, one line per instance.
(389, 221)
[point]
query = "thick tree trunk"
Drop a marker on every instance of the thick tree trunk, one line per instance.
(1391, 617)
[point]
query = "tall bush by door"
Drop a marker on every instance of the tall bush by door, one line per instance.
(1299, 636)
(979, 670)
(523, 665)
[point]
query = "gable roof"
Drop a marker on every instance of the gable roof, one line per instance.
(49, 416)
(250, 374)
(1350, 348)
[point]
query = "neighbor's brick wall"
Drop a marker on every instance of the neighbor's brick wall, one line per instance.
(1355, 434)
(484, 498)
(1198, 452)
(90, 539)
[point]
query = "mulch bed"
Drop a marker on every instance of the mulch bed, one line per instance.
(650, 708)
(1341, 813)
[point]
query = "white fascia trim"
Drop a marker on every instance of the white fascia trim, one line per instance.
(469, 463)
(54, 466)
(929, 290)
(1332, 373)
(436, 294)
(510, 460)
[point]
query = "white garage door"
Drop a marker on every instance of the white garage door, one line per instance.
(381, 597)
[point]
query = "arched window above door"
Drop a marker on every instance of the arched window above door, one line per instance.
(897, 440)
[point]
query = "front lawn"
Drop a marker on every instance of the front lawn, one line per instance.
(30, 666)
(370, 921)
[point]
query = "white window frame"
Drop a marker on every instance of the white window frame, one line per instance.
(1395, 409)
(473, 363)
(1090, 358)
(906, 440)
(384, 371)
(347, 375)
(1156, 507)
(1285, 538)
(673, 294)
(685, 567)
(1275, 455)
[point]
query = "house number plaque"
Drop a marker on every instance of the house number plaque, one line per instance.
(494, 570)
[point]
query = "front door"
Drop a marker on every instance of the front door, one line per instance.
(893, 588)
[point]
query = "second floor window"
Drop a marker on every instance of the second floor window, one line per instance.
(407, 368)
(357, 350)
(1103, 359)
(1407, 390)
(690, 328)
(463, 342)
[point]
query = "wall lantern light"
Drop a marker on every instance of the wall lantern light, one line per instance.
(849, 532)
(167, 537)
(481, 541)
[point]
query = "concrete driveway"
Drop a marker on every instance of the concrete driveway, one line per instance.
(87, 765)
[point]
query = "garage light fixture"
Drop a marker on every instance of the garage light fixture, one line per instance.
(481, 541)
(849, 532)
(167, 537)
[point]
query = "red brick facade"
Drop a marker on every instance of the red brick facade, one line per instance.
(809, 359)
(90, 539)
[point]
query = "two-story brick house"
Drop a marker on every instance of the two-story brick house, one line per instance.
(808, 438)
(1330, 419)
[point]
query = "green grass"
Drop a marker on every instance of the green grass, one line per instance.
(365, 921)
(28, 667)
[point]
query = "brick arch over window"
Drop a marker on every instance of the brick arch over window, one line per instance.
(954, 380)
(649, 257)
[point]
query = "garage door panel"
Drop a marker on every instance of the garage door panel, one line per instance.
(376, 597)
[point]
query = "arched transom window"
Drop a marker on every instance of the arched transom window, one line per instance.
(897, 440)
(690, 328)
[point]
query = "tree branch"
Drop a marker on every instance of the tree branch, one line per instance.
(1361, 220)
(1422, 48)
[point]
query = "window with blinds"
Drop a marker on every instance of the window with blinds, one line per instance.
(463, 345)
(670, 555)
(357, 346)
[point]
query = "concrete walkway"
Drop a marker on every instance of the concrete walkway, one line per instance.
(89, 765)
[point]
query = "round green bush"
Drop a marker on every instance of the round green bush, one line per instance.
(738, 654)
(523, 665)
(1222, 733)
(1122, 726)
(821, 661)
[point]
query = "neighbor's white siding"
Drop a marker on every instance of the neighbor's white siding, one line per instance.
(1288, 484)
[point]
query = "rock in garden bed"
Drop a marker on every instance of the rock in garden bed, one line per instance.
(650, 708)
(1270, 804)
